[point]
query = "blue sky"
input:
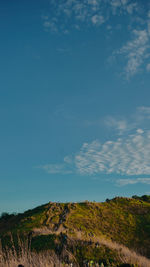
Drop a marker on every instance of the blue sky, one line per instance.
(74, 101)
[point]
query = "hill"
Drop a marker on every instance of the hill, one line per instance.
(105, 232)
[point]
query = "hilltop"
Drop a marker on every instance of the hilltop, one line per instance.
(86, 230)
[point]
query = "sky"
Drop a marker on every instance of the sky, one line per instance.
(74, 101)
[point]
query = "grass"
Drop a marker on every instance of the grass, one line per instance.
(76, 252)
(123, 223)
(10, 257)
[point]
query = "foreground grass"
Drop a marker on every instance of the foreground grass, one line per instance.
(12, 257)
(75, 253)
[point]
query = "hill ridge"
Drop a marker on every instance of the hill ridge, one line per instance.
(117, 224)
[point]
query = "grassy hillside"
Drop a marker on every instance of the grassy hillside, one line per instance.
(87, 230)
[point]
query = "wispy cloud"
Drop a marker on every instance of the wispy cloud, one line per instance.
(125, 156)
(139, 119)
(136, 51)
(77, 14)
(144, 110)
(98, 19)
(128, 154)
(72, 13)
(120, 125)
(142, 116)
(148, 67)
(55, 168)
(123, 6)
(123, 182)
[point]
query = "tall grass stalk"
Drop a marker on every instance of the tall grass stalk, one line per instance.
(10, 257)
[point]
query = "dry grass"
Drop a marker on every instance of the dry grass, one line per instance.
(12, 258)
(126, 255)
(30, 259)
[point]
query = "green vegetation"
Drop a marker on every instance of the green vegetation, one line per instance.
(81, 228)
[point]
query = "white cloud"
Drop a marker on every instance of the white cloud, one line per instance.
(120, 125)
(148, 67)
(55, 168)
(140, 131)
(97, 19)
(123, 182)
(143, 115)
(137, 121)
(125, 156)
(68, 159)
(95, 12)
(123, 6)
(136, 51)
(131, 7)
(144, 109)
(77, 14)
(50, 25)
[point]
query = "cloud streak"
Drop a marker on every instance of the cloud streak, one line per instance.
(120, 125)
(92, 12)
(55, 168)
(136, 51)
(72, 13)
(124, 182)
(137, 120)
(126, 155)
(80, 14)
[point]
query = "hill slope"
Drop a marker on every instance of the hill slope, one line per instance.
(87, 229)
